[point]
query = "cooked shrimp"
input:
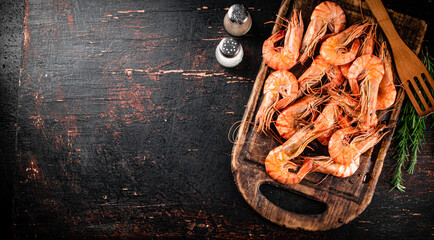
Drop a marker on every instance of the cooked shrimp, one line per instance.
(347, 144)
(327, 121)
(313, 75)
(386, 91)
(325, 164)
(279, 83)
(350, 105)
(344, 159)
(326, 14)
(367, 47)
(279, 159)
(328, 117)
(278, 168)
(369, 42)
(344, 69)
(343, 121)
(284, 58)
(325, 137)
(369, 70)
(334, 49)
(290, 119)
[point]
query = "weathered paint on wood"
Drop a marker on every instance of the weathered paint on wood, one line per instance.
(118, 109)
(122, 123)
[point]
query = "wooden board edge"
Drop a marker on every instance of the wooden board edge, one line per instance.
(378, 163)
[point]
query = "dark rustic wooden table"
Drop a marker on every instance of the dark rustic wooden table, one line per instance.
(122, 120)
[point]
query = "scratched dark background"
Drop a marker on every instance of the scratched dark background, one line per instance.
(123, 113)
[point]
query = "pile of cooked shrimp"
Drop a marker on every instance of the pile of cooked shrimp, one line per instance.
(335, 100)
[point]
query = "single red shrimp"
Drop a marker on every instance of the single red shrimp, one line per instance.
(290, 119)
(313, 75)
(326, 14)
(280, 158)
(345, 148)
(386, 91)
(367, 47)
(344, 69)
(284, 58)
(347, 144)
(278, 168)
(325, 164)
(368, 69)
(279, 83)
(349, 104)
(343, 121)
(335, 48)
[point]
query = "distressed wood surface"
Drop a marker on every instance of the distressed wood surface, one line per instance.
(123, 116)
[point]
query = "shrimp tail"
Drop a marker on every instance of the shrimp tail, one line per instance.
(278, 166)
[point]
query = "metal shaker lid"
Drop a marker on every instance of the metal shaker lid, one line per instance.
(238, 14)
(229, 47)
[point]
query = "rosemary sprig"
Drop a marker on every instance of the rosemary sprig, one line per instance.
(409, 137)
(428, 61)
(402, 152)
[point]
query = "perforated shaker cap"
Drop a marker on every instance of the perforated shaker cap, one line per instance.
(229, 47)
(237, 13)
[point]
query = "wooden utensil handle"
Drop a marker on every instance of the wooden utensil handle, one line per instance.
(380, 13)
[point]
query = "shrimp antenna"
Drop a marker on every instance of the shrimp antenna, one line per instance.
(361, 10)
(274, 22)
(283, 18)
(233, 130)
(279, 23)
(276, 137)
(322, 180)
(382, 113)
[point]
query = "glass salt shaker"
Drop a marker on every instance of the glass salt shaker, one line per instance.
(229, 52)
(237, 21)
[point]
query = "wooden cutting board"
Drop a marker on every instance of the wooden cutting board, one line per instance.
(344, 198)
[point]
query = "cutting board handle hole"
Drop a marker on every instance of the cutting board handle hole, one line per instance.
(291, 201)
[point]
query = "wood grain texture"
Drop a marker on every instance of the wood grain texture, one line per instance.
(118, 105)
(123, 119)
(345, 198)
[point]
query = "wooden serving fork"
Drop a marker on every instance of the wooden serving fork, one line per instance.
(411, 71)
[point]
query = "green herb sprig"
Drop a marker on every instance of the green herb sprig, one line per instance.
(409, 137)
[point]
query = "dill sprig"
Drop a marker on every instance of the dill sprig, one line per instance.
(409, 137)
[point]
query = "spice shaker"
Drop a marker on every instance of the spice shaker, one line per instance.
(229, 52)
(237, 21)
